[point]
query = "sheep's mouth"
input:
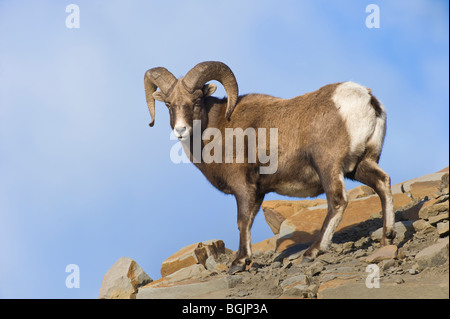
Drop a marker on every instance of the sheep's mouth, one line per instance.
(183, 137)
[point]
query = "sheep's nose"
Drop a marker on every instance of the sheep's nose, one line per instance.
(180, 131)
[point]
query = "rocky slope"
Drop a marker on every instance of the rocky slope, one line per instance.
(416, 266)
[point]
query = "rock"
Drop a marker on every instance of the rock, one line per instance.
(122, 280)
(234, 280)
(401, 200)
(221, 267)
(400, 254)
(433, 210)
(329, 258)
(214, 247)
(255, 266)
(314, 269)
(431, 202)
(267, 245)
(198, 271)
(274, 218)
(361, 242)
(359, 253)
(425, 189)
(193, 254)
(433, 220)
(442, 198)
(313, 288)
(434, 255)
(301, 290)
(328, 277)
(413, 271)
(340, 270)
(444, 184)
(295, 280)
(442, 229)
(360, 192)
(347, 246)
(297, 290)
(423, 226)
(404, 230)
(191, 272)
(286, 265)
(301, 228)
(412, 212)
(275, 212)
(291, 253)
(185, 257)
(386, 264)
(383, 253)
(424, 186)
(193, 289)
(276, 264)
(211, 263)
(411, 289)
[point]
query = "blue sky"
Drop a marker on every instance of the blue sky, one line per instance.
(84, 180)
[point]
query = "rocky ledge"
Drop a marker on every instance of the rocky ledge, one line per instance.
(416, 266)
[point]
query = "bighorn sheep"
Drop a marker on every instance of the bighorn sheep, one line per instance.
(323, 136)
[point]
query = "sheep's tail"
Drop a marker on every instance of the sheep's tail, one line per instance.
(376, 141)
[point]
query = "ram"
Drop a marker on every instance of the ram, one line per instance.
(323, 137)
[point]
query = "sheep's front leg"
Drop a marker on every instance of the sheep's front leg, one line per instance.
(248, 206)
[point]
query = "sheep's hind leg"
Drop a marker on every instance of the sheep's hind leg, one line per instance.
(369, 173)
(248, 206)
(337, 202)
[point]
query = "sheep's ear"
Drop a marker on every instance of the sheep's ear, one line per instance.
(209, 89)
(158, 95)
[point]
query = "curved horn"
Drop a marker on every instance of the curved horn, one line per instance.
(213, 70)
(157, 78)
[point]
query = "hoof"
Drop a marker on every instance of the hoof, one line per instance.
(388, 238)
(236, 269)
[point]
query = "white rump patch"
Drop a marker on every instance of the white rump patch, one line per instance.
(376, 140)
(353, 102)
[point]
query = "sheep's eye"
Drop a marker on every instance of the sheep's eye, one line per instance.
(168, 104)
